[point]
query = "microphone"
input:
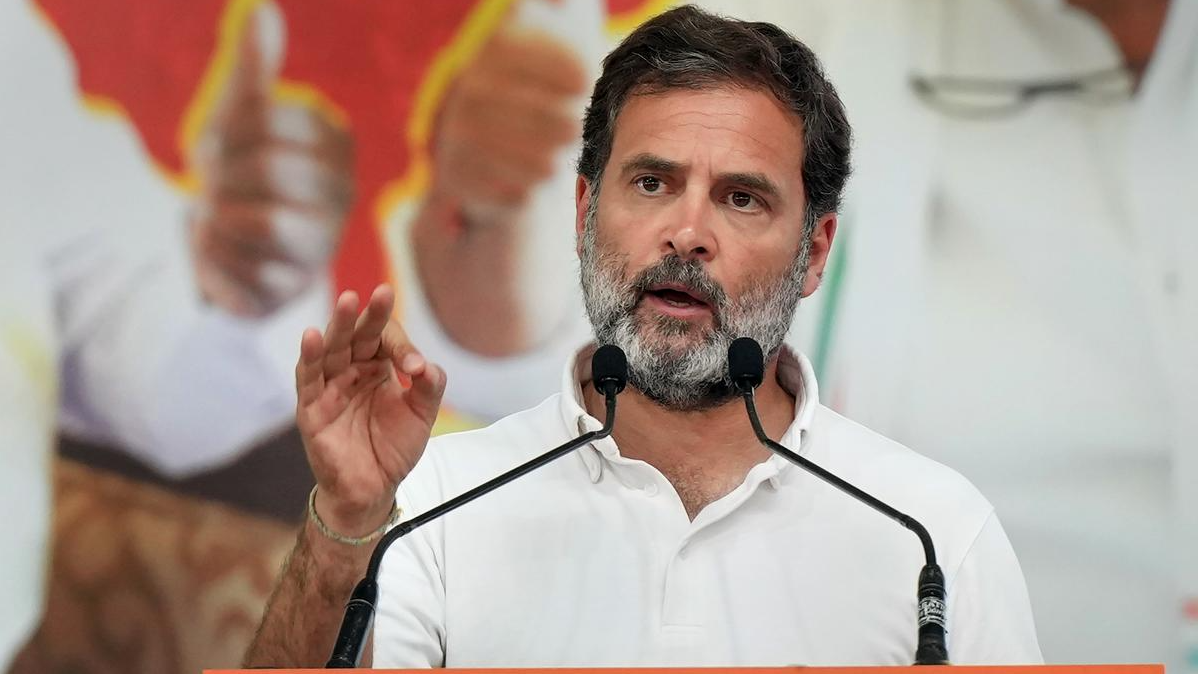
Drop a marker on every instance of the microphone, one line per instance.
(746, 369)
(609, 373)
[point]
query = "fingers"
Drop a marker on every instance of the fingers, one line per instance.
(358, 359)
(259, 54)
(282, 124)
(394, 345)
(512, 107)
(340, 393)
(472, 177)
(223, 287)
(278, 174)
(250, 263)
(536, 58)
(428, 385)
(276, 185)
(354, 341)
(530, 162)
(309, 371)
(504, 120)
(256, 231)
(338, 337)
(369, 329)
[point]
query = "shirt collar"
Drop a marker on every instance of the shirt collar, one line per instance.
(795, 374)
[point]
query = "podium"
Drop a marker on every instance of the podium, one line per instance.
(947, 669)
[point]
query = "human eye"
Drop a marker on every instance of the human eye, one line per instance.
(744, 201)
(648, 184)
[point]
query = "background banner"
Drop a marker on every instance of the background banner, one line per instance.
(185, 184)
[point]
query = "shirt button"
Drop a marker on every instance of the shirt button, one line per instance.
(651, 489)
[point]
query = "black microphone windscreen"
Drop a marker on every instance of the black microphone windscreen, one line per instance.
(746, 363)
(609, 366)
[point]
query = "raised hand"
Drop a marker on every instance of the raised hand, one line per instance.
(366, 405)
(276, 183)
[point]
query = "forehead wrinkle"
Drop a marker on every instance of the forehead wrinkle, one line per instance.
(737, 143)
(758, 180)
(753, 144)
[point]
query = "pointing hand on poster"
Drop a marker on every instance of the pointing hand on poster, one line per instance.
(275, 183)
(367, 400)
(504, 119)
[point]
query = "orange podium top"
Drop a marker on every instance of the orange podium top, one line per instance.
(923, 669)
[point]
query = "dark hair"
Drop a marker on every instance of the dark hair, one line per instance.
(687, 48)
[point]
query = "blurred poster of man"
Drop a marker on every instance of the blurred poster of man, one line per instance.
(1020, 254)
(191, 189)
(110, 314)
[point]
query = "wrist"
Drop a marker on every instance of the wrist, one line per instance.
(453, 218)
(353, 525)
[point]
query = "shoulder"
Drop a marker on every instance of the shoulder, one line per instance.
(877, 457)
(944, 501)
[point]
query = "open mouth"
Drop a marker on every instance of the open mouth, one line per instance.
(678, 297)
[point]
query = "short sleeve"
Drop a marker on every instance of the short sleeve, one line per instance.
(990, 615)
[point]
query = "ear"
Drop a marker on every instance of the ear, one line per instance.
(582, 194)
(821, 245)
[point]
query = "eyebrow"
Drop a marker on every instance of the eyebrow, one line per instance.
(645, 161)
(753, 181)
(649, 162)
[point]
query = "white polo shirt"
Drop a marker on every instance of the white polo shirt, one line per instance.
(592, 561)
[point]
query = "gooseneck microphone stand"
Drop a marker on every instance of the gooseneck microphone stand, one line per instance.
(609, 372)
(746, 368)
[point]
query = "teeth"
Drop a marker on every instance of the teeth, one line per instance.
(676, 298)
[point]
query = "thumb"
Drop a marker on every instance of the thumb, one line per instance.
(428, 385)
(259, 57)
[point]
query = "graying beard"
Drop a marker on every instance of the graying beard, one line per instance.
(697, 379)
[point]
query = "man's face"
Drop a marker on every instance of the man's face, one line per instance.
(695, 236)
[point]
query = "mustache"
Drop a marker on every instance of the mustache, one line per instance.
(672, 269)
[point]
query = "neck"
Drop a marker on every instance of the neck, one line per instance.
(714, 446)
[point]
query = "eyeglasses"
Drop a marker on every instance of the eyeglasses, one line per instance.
(977, 98)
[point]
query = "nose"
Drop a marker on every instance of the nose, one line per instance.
(690, 235)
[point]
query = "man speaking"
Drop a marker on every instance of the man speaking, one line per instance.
(714, 156)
